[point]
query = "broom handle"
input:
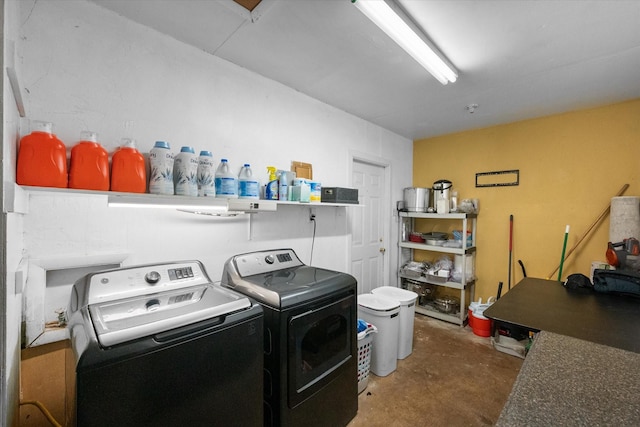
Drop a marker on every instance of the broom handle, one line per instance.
(510, 247)
(600, 217)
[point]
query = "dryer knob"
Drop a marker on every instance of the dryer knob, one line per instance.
(269, 259)
(152, 277)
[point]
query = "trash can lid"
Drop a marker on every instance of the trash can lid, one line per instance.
(403, 296)
(378, 302)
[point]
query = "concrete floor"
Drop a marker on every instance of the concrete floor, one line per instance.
(452, 378)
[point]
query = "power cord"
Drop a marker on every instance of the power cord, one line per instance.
(44, 411)
(312, 218)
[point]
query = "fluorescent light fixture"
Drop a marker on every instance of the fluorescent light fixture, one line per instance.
(381, 14)
(202, 205)
(167, 202)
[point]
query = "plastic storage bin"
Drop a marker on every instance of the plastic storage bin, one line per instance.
(384, 313)
(407, 300)
(365, 344)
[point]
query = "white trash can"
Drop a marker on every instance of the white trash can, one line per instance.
(407, 300)
(384, 313)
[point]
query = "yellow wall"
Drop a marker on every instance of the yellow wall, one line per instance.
(570, 166)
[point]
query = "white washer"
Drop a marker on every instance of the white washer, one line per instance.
(383, 313)
(407, 300)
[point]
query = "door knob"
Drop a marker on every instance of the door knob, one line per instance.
(382, 250)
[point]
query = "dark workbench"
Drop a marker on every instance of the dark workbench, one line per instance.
(546, 305)
(582, 369)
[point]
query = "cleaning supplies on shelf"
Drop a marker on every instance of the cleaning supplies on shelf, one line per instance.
(271, 189)
(42, 158)
(285, 180)
(206, 175)
(248, 186)
(89, 164)
(300, 190)
(316, 192)
(226, 181)
(161, 165)
(185, 171)
(128, 172)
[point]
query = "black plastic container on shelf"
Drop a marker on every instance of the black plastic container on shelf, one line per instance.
(339, 195)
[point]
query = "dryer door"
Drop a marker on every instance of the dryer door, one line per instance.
(320, 345)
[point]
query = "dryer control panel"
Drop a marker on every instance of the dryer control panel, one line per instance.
(265, 261)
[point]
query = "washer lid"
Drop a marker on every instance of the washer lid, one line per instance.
(127, 319)
(378, 302)
(401, 295)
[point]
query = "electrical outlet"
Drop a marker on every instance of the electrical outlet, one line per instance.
(312, 214)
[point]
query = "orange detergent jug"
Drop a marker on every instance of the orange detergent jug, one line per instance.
(42, 158)
(89, 164)
(128, 171)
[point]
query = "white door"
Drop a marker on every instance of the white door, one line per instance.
(369, 226)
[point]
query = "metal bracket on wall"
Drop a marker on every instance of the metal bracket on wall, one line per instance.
(498, 178)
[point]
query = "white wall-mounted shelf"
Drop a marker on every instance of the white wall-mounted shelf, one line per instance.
(314, 204)
(142, 200)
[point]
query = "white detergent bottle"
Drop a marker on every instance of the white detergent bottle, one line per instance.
(206, 175)
(161, 165)
(248, 186)
(226, 181)
(185, 170)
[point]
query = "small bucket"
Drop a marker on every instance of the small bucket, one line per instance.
(481, 325)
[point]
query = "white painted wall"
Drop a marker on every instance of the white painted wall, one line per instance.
(86, 68)
(13, 243)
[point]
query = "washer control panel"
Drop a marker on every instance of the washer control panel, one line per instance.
(141, 280)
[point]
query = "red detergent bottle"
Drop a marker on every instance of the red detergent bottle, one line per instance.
(42, 158)
(128, 171)
(89, 164)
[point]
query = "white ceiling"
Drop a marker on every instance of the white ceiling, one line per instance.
(516, 59)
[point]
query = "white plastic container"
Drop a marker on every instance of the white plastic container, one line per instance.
(161, 169)
(285, 180)
(226, 181)
(470, 270)
(185, 172)
(407, 300)
(206, 175)
(383, 313)
(248, 186)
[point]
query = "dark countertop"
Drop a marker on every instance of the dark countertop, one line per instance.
(566, 381)
(546, 305)
(583, 367)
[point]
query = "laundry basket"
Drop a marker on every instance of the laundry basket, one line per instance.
(365, 342)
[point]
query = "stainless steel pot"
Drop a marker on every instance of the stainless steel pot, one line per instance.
(447, 304)
(416, 199)
(422, 289)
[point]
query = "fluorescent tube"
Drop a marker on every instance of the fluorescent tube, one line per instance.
(167, 202)
(381, 14)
